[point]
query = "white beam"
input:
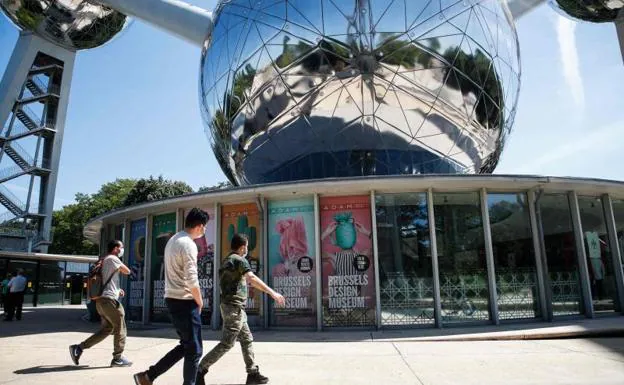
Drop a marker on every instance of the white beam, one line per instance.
(619, 27)
(519, 7)
(184, 20)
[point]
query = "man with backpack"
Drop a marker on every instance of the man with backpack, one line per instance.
(104, 280)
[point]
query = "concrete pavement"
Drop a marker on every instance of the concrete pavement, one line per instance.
(34, 351)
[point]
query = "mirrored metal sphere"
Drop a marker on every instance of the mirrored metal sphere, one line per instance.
(73, 24)
(596, 11)
(303, 89)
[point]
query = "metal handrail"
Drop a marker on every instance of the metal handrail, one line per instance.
(39, 83)
(49, 88)
(23, 153)
(12, 197)
(30, 113)
(10, 171)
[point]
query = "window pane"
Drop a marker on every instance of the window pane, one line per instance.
(51, 277)
(461, 255)
(405, 268)
(618, 213)
(561, 257)
(514, 257)
(599, 263)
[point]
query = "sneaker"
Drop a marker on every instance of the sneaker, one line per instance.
(121, 361)
(142, 379)
(75, 351)
(256, 378)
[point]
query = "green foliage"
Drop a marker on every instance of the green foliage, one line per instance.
(70, 220)
(152, 189)
(218, 186)
(474, 73)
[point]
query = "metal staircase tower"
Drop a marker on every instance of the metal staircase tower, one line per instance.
(33, 104)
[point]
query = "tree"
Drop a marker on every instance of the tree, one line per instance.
(71, 219)
(218, 186)
(69, 222)
(152, 189)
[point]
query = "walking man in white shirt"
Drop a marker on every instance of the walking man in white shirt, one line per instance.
(17, 287)
(109, 308)
(184, 301)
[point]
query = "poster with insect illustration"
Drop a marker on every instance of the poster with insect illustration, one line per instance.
(347, 261)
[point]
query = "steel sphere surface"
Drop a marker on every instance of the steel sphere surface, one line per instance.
(595, 11)
(72, 24)
(307, 89)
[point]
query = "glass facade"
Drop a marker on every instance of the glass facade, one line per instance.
(461, 257)
(413, 258)
(564, 283)
(618, 214)
(30, 272)
(514, 256)
(405, 264)
(598, 254)
(51, 280)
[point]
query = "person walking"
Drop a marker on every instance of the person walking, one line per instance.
(234, 276)
(4, 286)
(109, 308)
(184, 300)
(17, 287)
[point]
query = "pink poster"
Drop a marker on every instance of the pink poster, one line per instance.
(347, 261)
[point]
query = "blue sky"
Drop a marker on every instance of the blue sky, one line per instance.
(134, 109)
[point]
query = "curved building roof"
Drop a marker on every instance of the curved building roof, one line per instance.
(358, 185)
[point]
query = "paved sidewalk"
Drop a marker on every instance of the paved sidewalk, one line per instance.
(34, 351)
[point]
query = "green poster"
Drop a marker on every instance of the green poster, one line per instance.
(164, 227)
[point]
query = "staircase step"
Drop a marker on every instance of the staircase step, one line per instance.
(17, 158)
(26, 120)
(33, 88)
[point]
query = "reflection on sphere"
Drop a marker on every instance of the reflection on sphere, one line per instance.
(72, 24)
(305, 89)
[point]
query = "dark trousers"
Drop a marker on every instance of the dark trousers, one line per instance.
(186, 319)
(14, 305)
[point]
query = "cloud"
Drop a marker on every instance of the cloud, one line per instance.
(569, 59)
(585, 146)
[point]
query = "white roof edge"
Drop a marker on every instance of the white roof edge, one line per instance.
(356, 185)
(49, 257)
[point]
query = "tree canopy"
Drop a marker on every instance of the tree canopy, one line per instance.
(69, 221)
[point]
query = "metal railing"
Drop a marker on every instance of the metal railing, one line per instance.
(23, 153)
(18, 129)
(10, 171)
(30, 113)
(17, 202)
(46, 88)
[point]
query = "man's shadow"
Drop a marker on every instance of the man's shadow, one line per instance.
(56, 368)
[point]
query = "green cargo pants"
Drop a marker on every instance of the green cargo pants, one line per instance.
(113, 322)
(235, 328)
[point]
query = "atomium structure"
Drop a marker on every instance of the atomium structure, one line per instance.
(72, 24)
(596, 11)
(314, 89)
(33, 102)
(289, 89)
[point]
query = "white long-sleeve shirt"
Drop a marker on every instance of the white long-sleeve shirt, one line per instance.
(180, 266)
